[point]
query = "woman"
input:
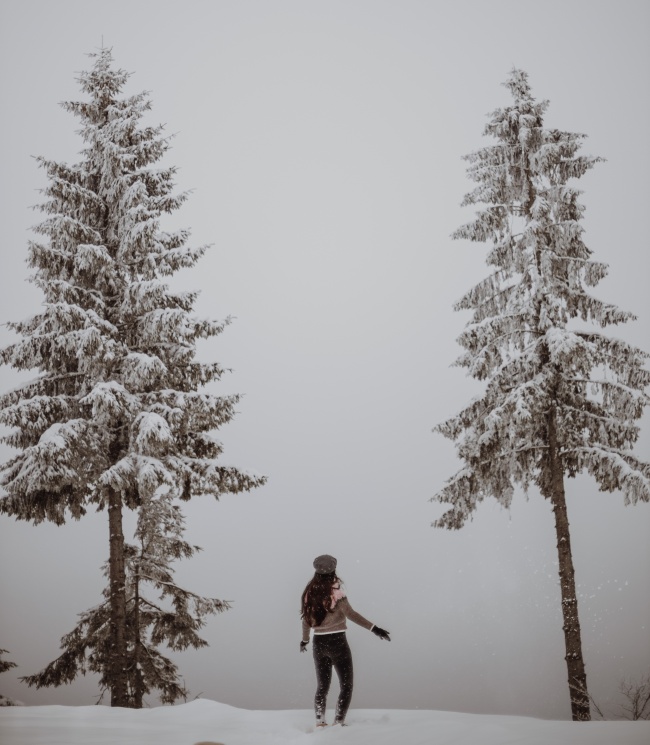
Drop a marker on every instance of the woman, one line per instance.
(325, 610)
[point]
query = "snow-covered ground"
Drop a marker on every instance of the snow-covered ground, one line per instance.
(206, 722)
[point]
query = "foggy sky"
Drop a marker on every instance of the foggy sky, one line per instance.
(323, 145)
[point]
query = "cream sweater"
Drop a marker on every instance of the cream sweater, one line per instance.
(335, 620)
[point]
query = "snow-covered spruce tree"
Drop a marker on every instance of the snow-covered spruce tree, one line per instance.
(172, 618)
(560, 397)
(115, 411)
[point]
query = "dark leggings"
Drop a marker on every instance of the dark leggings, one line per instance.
(332, 650)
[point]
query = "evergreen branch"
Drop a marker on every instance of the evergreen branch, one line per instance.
(634, 393)
(591, 414)
(187, 593)
(155, 607)
(487, 284)
(504, 454)
(486, 322)
(463, 361)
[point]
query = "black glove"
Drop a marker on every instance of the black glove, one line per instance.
(381, 633)
(303, 646)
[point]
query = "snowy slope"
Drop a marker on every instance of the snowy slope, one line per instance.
(208, 721)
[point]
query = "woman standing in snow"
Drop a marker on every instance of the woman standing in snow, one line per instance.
(324, 608)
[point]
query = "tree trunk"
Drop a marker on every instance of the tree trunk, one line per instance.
(117, 579)
(138, 686)
(580, 709)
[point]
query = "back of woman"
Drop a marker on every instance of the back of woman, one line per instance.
(325, 610)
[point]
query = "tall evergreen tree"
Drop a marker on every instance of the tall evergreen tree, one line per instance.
(560, 397)
(115, 413)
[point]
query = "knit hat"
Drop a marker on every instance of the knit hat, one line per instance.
(325, 564)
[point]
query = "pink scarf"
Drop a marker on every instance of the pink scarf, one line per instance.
(337, 594)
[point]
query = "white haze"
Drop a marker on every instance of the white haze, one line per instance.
(323, 142)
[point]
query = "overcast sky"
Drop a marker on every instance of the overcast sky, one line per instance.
(323, 142)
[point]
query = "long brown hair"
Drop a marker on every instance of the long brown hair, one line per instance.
(317, 598)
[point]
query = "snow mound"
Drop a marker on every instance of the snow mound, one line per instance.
(203, 722)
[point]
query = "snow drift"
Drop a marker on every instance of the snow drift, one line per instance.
(204, 721)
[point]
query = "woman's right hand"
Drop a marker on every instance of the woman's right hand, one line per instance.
(381, 633)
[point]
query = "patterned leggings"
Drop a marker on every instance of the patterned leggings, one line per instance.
(332, 650)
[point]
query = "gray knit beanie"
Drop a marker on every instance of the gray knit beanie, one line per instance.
(325, 564)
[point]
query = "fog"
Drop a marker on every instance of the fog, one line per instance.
(323, 145)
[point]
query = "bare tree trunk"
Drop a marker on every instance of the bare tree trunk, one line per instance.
(580, 709)
(138, 688)
(117, 580)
